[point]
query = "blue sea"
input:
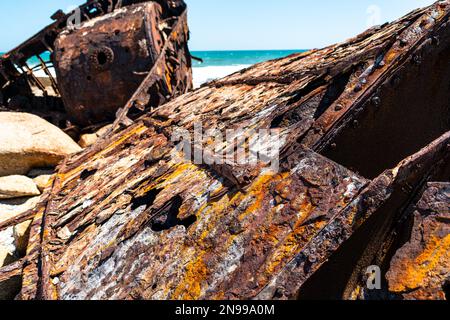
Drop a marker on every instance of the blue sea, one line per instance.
(233, 58)
(218, 64)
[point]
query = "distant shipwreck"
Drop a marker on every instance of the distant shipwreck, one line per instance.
(364, 178)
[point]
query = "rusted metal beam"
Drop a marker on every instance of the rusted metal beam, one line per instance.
(11, 271)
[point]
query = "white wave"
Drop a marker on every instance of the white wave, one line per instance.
(206, 74)
(42, 74)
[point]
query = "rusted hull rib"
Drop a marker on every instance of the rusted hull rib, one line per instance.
(128, 220)
(386, 191)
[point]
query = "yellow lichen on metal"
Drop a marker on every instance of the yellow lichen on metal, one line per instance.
(191, 286)
(417, 270)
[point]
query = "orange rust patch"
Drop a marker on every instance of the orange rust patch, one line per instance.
(190, 288)
(138, 130)
(418, 270)
(293, 242)
(259, 191)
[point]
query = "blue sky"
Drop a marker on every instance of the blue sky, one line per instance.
(236, 24)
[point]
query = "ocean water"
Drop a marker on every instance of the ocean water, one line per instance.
(216, 64)
(230, 58)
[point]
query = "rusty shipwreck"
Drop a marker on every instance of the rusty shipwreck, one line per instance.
(364, 181)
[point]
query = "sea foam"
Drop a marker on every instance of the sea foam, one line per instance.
(206, 74)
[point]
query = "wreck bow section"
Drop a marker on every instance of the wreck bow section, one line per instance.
(102, 46)
(365, 129)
